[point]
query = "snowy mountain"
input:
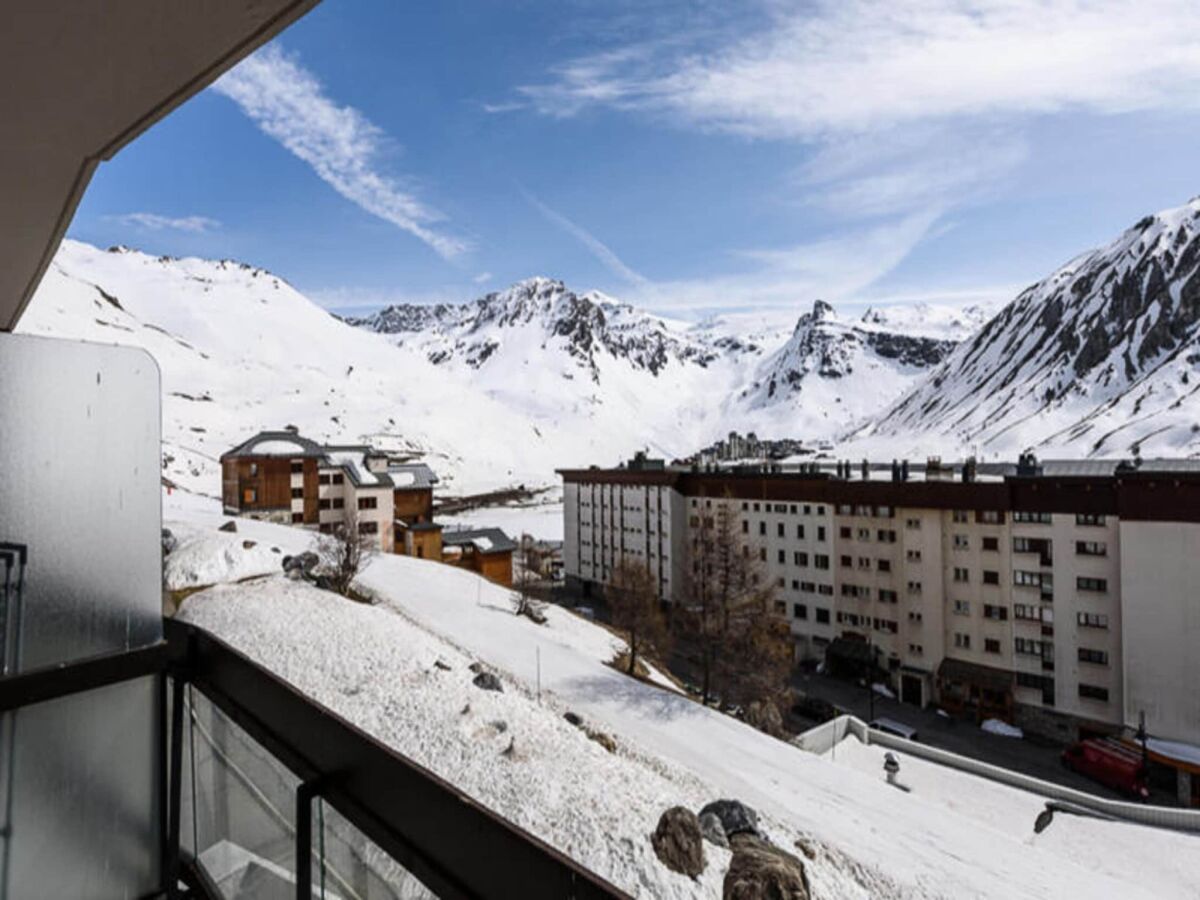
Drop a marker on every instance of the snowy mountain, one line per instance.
(1098, 359)
(492, 393)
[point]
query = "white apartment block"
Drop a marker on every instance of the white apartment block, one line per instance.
(1065, 598)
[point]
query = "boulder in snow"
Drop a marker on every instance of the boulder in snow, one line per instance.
(574, 718)
(735, 817)
(169, 541)
(486, 681)
(678, 842)
(713, 830)
(230, 526)
(440, 664)
(760, 871)
(249, 545)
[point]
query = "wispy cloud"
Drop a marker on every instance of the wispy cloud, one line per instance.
(482, 278)
(900, 113)
(155, 222)
(342, 146)
(594, 245)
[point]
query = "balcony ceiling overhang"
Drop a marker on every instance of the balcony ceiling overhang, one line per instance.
(78, 81)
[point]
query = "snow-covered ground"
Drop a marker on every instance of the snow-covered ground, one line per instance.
(953, 836)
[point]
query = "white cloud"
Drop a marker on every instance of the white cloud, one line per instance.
(341, 145)
(482, 278)
(852, 66)
(156, 222)
(593, 244)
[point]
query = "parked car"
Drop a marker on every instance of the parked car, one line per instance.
(815, 708)
(895, 727)
(1110, 762)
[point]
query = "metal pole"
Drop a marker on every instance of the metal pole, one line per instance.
(304, 797)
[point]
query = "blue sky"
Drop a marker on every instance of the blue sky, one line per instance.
(684, 156)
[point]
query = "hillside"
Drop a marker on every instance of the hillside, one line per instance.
(1098, 359)
(492, 393)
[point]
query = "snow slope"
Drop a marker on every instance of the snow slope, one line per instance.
(491, 394)
(1099, 359)
(870, 839)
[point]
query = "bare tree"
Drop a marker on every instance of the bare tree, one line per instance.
(345, 552)
(744, 648)
(633, 596)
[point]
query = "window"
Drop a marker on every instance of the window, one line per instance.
(912, 523)
(886, 535)
(808, 587)
(745, 506)
(990, 577)
(821, 510)
(781, 557)
(991, 544)
(249, 495)
(297, 493)
(800, 532)
(253, 470)
(780, 607)
(368, 502)
(792, 509)
(864, 534)
(961, 542)
(962, 641)
(297, 467)
(339, 502)
(756, 507)
(1027, 647)
(324, 503)
(1090, 519)
(914, 587)
(990, 517)
(297, 518)
(762, 529)
(883, 565)
(762, 553)
(799, 611)
(1027, 579)
(886, 596)
(821, 561)
(1032, 518)
(1092, 692)
(991, 645)
(864, 562)
(745, 526)
(1027, 612)
(916, 649)
(846, 561)
(961, 575)
(820, 532)
(800, 558)
(323, 479)
(807, 509)
(822, 616)
(1091, 584)
(825, 590)
(779, 530)
(1091, 620)
(962, 608)
(912, 555)
(1091, 548)
(999, 613)
(338, 478)
(844, 532)
(1095, 657)
(959, 515)
(368, 527)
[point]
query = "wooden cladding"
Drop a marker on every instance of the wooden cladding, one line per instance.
(256, 483)
(414, 506)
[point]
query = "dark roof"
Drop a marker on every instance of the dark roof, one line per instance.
(485, 540)
(422, 476)
(303, 446)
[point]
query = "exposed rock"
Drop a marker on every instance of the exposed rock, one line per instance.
(678, 842)
(713, 830)
(574, 718)
(439, 664)
(761, 871)
(275, 550)
(249, 545)
(466, 709)
(735, 817)
(486, 681)
(477, 667)
(303, 564)
(230, 526)
(499, 726)
(169, 541)
(604, 740)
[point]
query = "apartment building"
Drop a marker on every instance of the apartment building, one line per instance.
(283, 477)
(1060, 596)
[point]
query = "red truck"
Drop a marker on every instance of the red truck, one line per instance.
(1111, 763)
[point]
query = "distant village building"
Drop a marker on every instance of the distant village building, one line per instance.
(283, 477)
(750, 447)
(488, 551)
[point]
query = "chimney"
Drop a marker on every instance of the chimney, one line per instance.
(968, 469)
(866, 471)
(895, 470)
(904, 470)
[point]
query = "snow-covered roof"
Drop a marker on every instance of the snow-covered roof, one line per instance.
(352, 460)
(414, 476)
(485, 540)
(276, 443)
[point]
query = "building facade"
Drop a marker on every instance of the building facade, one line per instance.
(1059, 599)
